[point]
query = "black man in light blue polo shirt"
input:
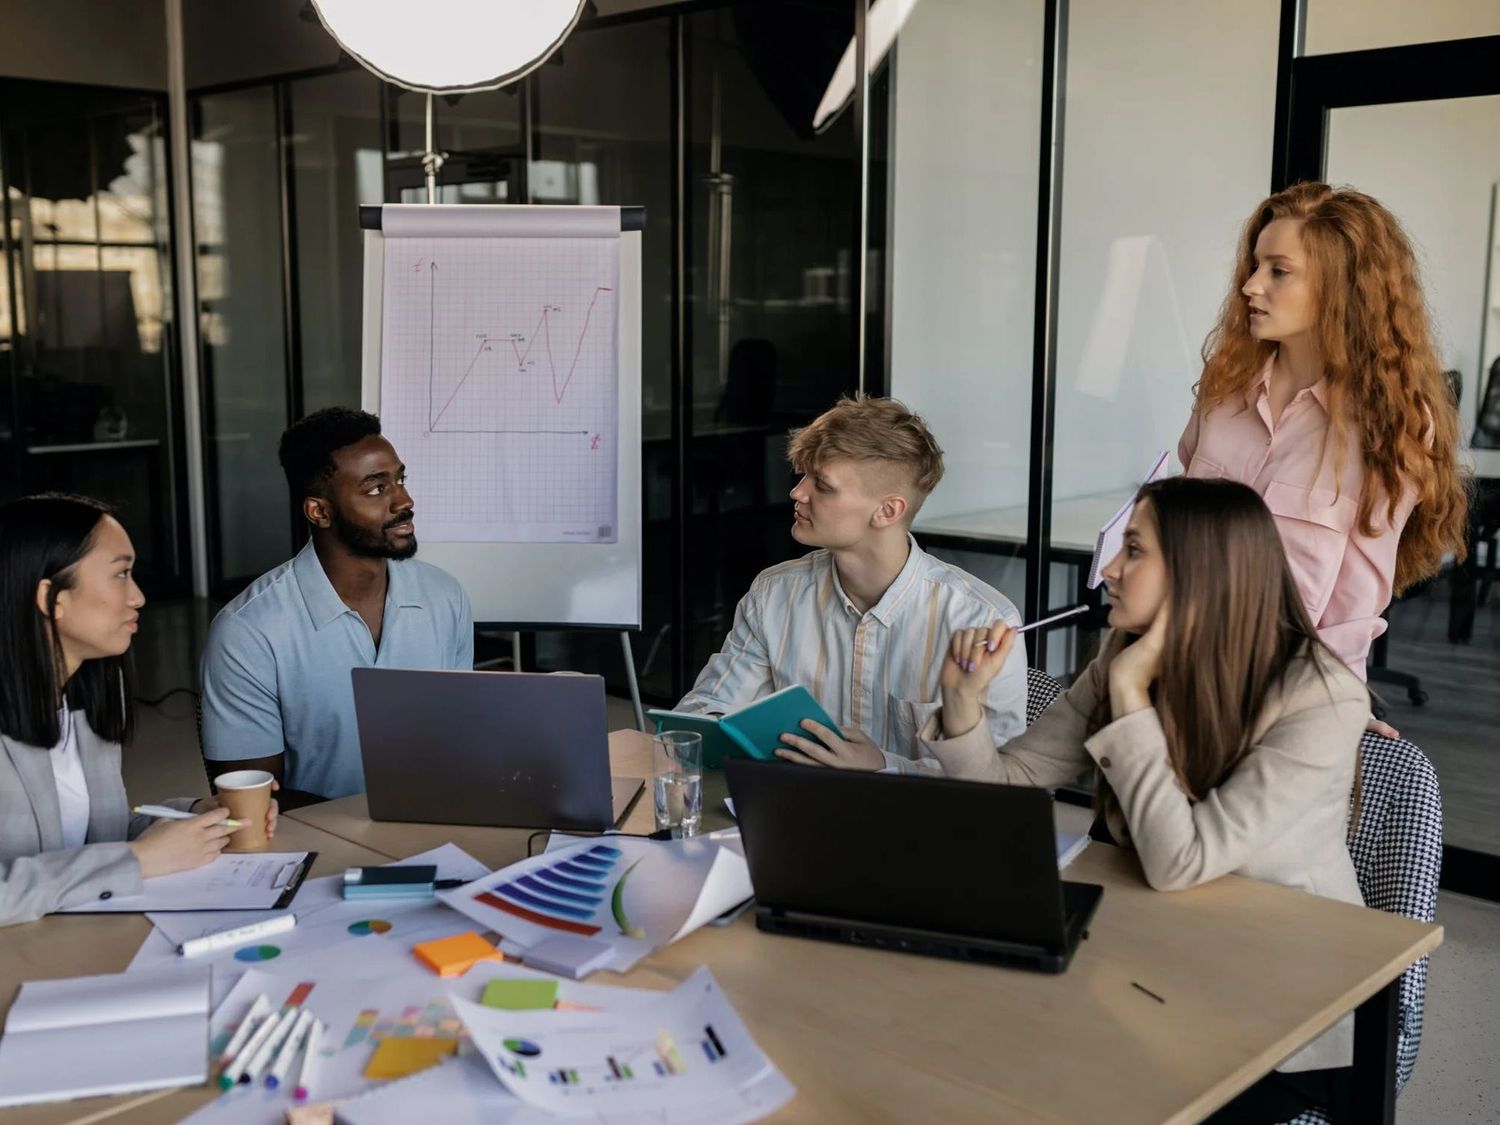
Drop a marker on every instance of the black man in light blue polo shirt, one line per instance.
(276, 686)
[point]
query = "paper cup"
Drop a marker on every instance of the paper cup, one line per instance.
(247, 796)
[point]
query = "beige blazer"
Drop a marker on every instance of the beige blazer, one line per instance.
(1282, 816)
(37, 874)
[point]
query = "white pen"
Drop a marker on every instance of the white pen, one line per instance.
(247, 1025)
(1074, 612)
(240, 934)
(262, 1058)
(985, 643)
(288, 1051)
(309, 1061)
(236, 1066)
(161, 812)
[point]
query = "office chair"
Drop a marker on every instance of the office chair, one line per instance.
(1397, 848)
(1487, 428)
(1041, 690)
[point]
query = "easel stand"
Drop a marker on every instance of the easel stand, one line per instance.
(625, 650)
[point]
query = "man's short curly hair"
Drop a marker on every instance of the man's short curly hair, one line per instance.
(308, 446)
(873, 430)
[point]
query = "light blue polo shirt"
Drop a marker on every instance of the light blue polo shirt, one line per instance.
(276, 667)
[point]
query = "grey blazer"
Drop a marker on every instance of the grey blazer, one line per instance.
(37, 874)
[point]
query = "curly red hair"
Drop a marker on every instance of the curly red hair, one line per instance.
(1385, 385)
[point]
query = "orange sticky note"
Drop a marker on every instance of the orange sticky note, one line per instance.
(454, 956)
(396, 1058)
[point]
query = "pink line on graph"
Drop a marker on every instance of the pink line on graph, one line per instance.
(544, 328)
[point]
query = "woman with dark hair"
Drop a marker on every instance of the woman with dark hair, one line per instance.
(1225, 733)
(69, 608)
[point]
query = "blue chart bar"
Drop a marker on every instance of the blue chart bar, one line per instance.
(711, 1045)
(660, 1069)
(534, 883)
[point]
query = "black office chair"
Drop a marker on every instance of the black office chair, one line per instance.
(1487, 428)
(1041, 690)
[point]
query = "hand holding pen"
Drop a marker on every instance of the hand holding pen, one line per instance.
(975, 657)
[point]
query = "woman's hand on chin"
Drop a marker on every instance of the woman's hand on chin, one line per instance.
(1136, 668)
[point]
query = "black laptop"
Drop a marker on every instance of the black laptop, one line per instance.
(921, 865)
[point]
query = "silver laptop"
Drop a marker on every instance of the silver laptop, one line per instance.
(499, 749)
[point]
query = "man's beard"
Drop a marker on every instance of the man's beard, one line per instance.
(372, 545)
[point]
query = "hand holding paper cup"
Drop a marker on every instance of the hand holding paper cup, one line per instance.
(247, 796)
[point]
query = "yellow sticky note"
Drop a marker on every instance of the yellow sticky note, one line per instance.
(396, 1058)
(454, 956)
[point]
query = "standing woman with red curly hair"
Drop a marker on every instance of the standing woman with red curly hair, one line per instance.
(1322, 391)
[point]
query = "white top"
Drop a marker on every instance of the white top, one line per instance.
(72, 790)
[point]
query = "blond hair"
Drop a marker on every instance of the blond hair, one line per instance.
(878, 430)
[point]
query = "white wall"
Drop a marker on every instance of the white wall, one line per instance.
(1170, 114)
(967, 88)
(1435, 165)
(1357, 25)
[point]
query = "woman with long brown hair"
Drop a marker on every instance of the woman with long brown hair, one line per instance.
(1225, 733)
(1321, 389)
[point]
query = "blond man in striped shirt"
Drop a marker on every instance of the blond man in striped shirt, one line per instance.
(864, 620)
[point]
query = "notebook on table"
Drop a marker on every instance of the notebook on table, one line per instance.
(112, 1034)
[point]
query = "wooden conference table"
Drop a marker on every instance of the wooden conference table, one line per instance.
(1245, 972)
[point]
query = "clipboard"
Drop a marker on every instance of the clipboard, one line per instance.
(233, 881)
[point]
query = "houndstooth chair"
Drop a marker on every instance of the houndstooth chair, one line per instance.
(1041, 690)
(1398, 851)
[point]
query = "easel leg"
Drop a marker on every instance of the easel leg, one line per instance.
(635, 688)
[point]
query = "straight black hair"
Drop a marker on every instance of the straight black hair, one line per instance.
(42, 538)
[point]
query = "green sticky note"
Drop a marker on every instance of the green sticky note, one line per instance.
(520, 995)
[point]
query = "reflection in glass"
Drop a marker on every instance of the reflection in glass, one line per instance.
(603, 138)
(237, 221)
(336, 166)
(1154, 191)
(85, 302)
(963, 231)
(771, 208)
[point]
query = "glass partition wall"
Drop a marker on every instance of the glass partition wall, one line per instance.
(87, 347)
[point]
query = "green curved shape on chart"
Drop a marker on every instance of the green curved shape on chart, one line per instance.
(617, 905)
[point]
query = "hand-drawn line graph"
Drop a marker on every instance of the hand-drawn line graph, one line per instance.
(524, 364)
(500, 385)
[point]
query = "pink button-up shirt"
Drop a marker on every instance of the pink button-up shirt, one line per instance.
(1345, 577)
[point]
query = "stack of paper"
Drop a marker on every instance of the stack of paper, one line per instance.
(109, 1034)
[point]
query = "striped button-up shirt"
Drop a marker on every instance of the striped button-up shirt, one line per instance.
(875, 671)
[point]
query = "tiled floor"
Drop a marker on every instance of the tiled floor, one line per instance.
(1456, 1074)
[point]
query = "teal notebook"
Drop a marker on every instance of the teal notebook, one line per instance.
(754, 730)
